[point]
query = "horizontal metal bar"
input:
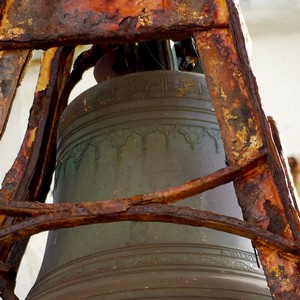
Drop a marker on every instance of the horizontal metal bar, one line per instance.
(41, 24)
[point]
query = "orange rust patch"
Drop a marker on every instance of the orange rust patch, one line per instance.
(221, 13)
(4, 20)
(29, 141)
(45, 71)
(124, 8)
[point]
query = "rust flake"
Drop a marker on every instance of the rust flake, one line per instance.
(45, 72)
(29, 142)
(260, 202)
(282, 273)
(277, 224)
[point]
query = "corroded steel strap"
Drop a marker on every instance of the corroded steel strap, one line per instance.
(264, 193)
(31, 174)
(96, 21)
(241, 120)
(150, 213)
(23, 179)
(166, 196)
(12, 66)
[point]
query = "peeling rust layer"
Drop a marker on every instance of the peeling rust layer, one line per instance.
(242, 132)
(12, 67)
(235, 111)
(31, 174)
(282, 272)
(35, 161)
(94, 21)
(17, 181)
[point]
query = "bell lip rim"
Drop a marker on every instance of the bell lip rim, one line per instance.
(120, 254)
(252, 286)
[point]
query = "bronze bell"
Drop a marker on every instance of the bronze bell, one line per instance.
(130, 135)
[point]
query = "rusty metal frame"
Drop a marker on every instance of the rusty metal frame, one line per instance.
(255, 161)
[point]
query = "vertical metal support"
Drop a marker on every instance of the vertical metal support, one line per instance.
(262, 193)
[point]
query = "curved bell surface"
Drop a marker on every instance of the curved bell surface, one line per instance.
(131, 135)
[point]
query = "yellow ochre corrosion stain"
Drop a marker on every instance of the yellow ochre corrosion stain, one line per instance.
(29, 142)
(276, 268)
(6, 8)
(222, 14)
(8, 30)
(45, 71)
(186, 87)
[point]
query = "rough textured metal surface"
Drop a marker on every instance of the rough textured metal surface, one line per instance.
(31, 174)
(12, 67)
(76, 21)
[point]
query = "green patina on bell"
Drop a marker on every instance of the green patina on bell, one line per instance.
(131, 135)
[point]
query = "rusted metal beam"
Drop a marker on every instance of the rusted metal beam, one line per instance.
(77, 215)
(30, 176)
(166, 196)
(43, 24)
(31, 173)
(54, 216)
(12, 67)
(263, 195)
(41, 133)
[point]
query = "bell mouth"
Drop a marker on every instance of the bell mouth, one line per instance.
(163, 272)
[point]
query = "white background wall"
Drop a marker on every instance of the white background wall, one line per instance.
(274, 27)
